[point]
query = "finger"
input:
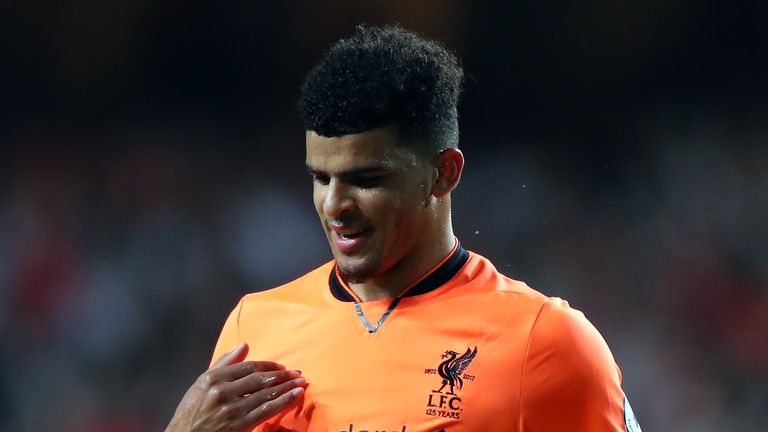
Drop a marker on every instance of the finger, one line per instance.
(268, 394)
(264, 411)
(235, 356)
(239, 370)
(258, 381)
(254, 409)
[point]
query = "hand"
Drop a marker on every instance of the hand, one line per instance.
(234, 395)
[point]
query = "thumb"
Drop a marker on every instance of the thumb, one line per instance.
(235, 356)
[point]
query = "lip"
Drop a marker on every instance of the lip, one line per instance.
(349, 246)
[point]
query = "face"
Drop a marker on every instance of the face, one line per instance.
(373, 198)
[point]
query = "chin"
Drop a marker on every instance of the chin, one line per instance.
(357, 273)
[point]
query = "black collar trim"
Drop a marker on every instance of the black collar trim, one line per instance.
(445, 272)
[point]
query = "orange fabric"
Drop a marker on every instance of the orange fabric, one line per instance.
(539, 365)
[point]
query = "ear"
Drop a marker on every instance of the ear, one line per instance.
(449, 164)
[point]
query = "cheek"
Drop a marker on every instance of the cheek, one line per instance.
(380, 208)
(405, 218)
(317, 198)
(400, 210)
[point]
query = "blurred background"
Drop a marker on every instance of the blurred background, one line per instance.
(152, 172)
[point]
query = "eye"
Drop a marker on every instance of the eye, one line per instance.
(367, 182)
(320, 178)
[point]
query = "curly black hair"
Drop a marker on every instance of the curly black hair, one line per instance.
(385, 76)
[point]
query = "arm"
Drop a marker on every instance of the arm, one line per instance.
(570, 380)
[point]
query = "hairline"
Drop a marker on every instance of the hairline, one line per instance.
(416, 139)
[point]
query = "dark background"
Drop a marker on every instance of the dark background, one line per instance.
(151, 173)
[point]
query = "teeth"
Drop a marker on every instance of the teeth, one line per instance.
(350, 234)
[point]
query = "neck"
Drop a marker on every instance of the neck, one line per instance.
(407, 272)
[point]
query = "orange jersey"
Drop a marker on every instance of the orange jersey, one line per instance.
(465, 349)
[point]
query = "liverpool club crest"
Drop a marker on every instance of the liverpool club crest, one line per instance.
(443, 401)
(452, 368)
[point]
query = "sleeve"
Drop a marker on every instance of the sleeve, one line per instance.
(570, 380)
(230, 334)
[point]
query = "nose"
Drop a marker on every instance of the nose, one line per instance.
(336, 199)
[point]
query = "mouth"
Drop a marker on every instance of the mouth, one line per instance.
(349, 240)
(350, 234)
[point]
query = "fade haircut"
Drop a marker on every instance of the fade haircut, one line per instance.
(385, 76)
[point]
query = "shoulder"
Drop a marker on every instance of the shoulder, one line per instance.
(480, 275)
(300, 290)
(261, 308)
(561, 340)
(561, 329)
(568, 369)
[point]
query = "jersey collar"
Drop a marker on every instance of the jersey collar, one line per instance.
(438, 276)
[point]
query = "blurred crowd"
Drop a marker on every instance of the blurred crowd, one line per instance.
(151, 173)
(117, 270)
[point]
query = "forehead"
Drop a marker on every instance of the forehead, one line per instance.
(377, 147)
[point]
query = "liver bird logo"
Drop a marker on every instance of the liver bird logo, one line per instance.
(452, 368)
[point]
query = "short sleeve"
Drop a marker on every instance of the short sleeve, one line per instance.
(570, 380)
(229, 338)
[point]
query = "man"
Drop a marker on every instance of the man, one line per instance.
(404, 330)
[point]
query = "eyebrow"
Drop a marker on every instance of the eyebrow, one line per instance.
(352, 172)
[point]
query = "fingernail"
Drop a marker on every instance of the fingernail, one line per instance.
(297, 391)
(299, 381)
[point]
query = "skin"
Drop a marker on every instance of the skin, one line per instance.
(236, 395)
(401, 199)
(366, 182)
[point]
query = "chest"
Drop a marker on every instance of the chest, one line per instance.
(424, 370)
